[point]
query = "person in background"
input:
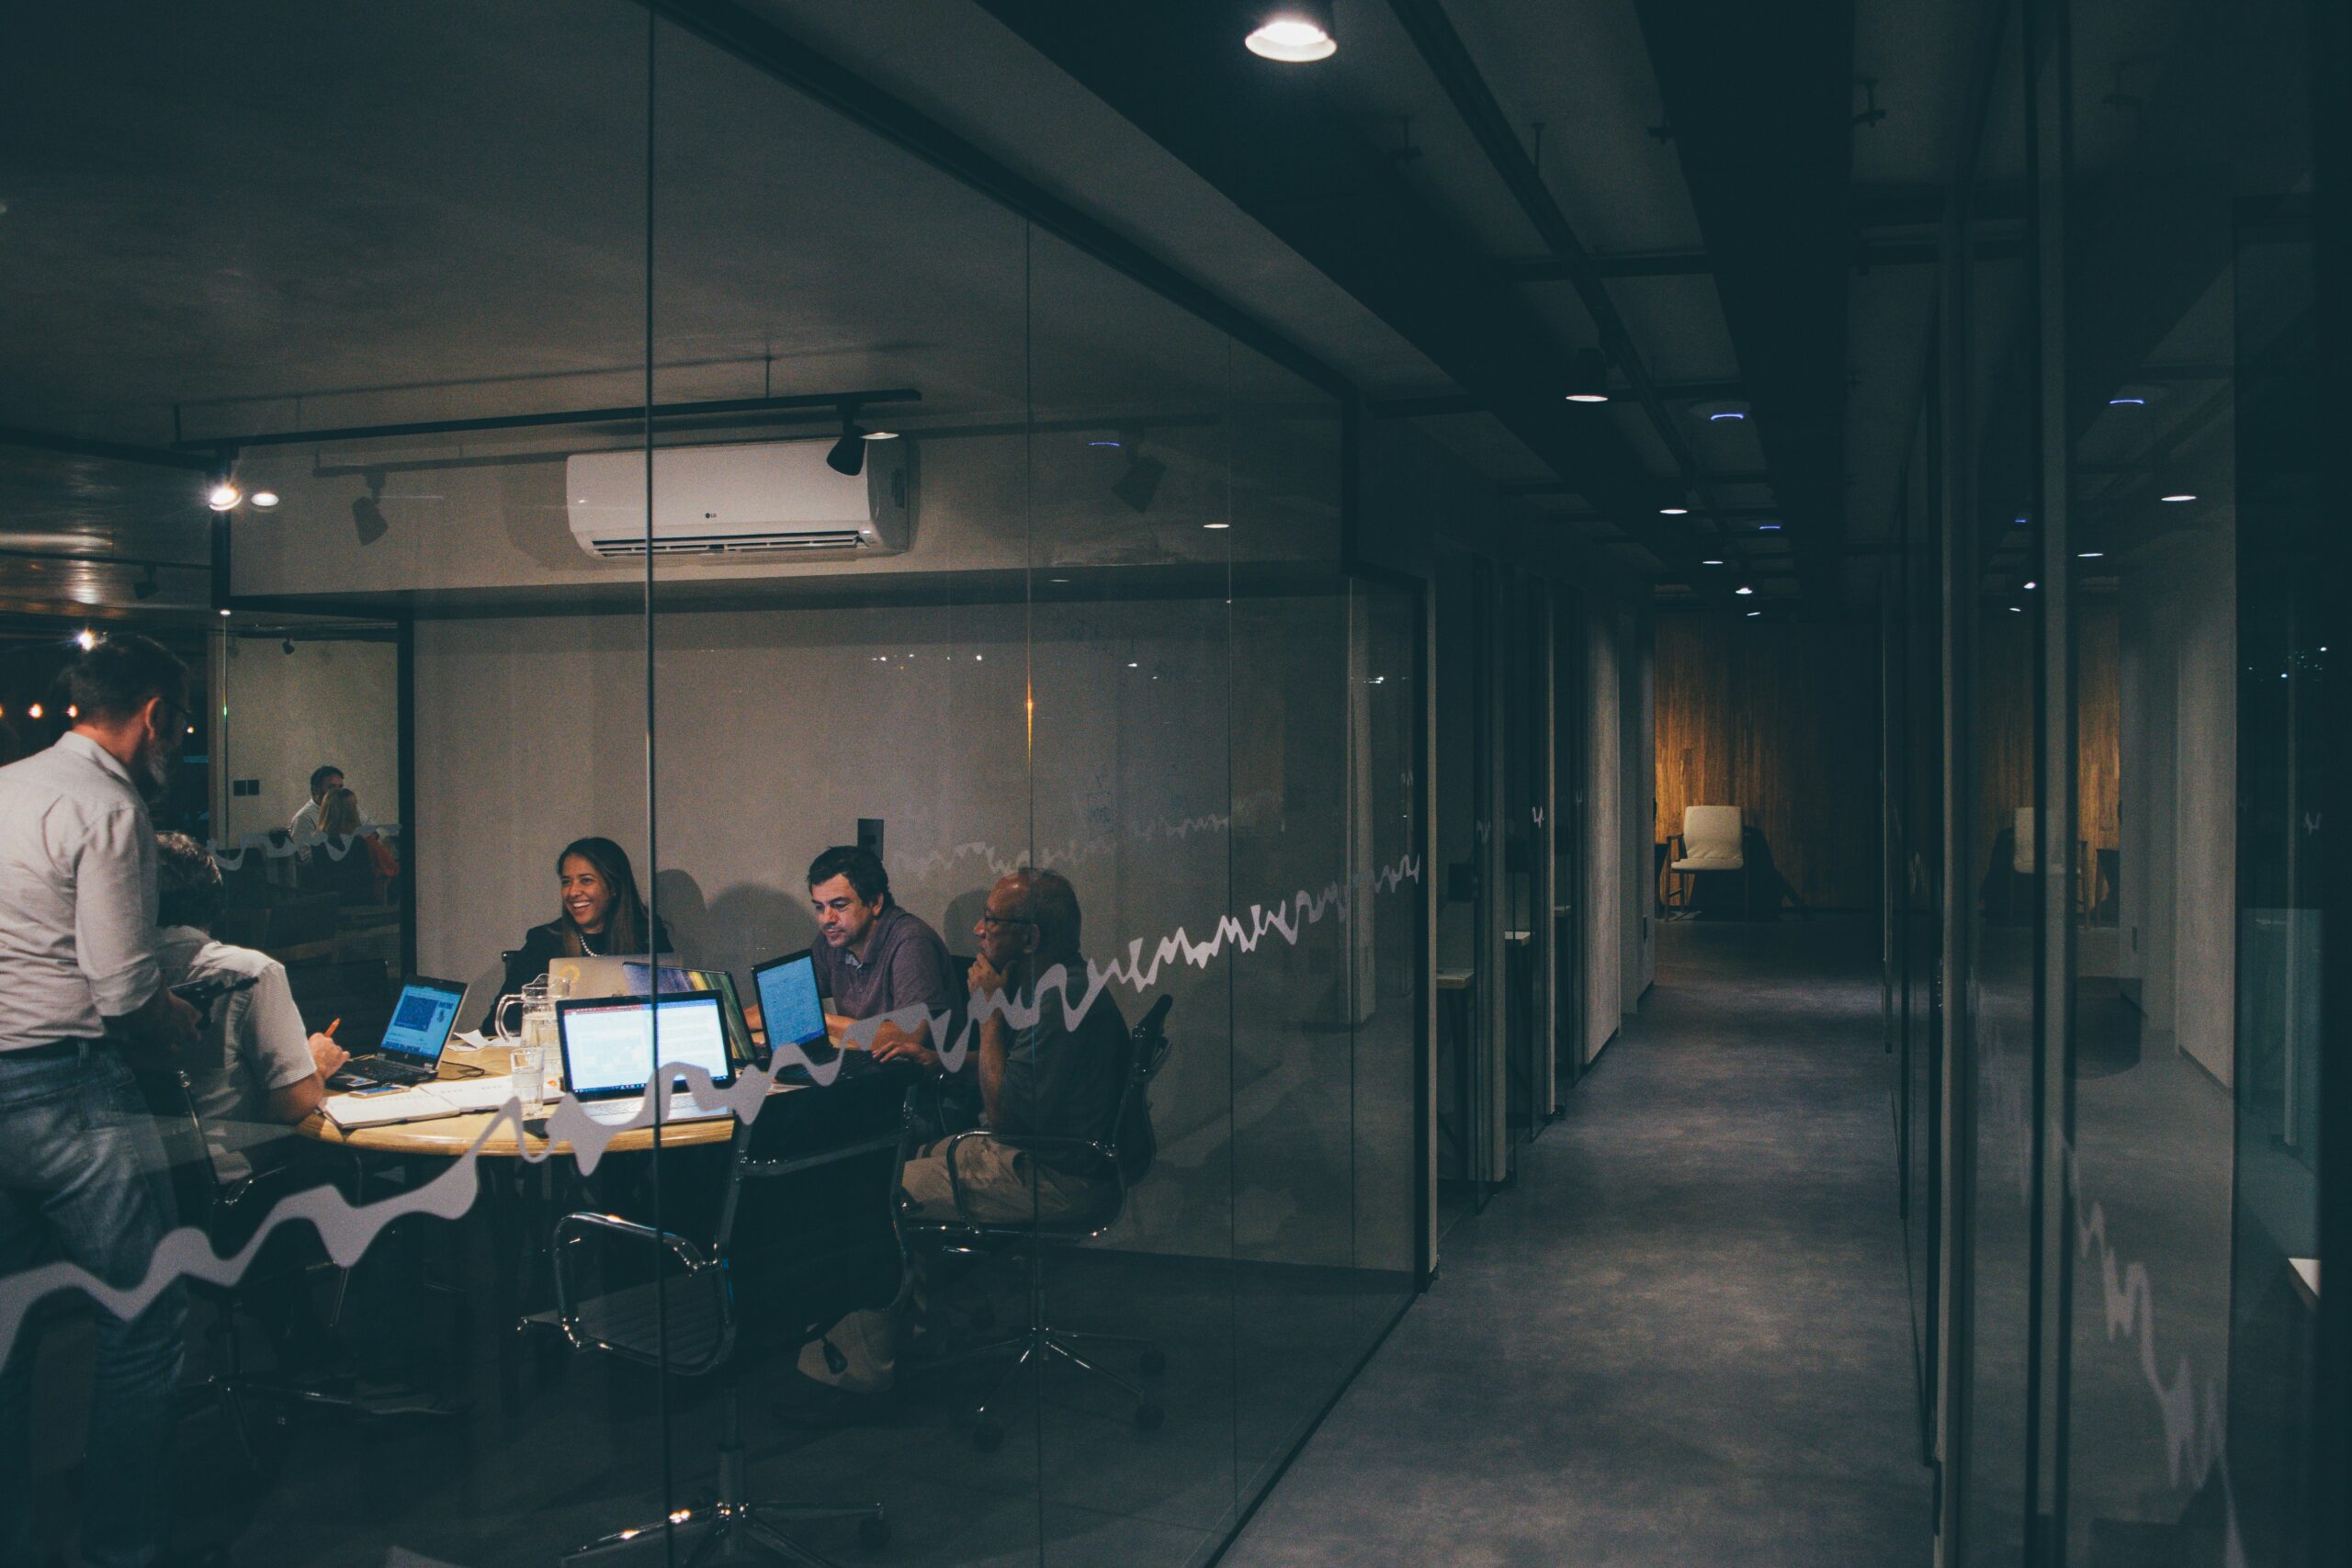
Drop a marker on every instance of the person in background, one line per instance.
(305, 822)
(351, 859)
(1061, 1077)
(602, 917)
(82, 1169)
(253, 1074)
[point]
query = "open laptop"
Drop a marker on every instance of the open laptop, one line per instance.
(635, 975)
(419, 1030)
(606, 977)
(794, 1014)
(608, 1045)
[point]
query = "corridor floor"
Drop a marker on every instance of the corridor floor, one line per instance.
(1683, 1337)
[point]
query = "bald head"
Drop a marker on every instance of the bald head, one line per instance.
(1049, 904)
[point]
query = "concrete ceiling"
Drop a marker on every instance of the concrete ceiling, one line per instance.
(287, 215)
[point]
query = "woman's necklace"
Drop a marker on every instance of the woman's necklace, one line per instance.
(584, 948)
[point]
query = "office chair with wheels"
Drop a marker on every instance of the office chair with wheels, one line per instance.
(693, 1306)
(229, 1210)
(1118, 1162)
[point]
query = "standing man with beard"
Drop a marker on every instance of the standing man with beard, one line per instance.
(81, 1171)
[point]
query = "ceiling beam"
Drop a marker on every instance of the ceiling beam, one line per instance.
(1450, 61)
(1179, 74)
(1762, 102)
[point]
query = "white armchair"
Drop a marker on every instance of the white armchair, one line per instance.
(1711, 839)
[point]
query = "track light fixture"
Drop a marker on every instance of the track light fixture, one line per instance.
(848, 455)
(1292, 32)
(368, 519)
(1589, 378)
(224, 494)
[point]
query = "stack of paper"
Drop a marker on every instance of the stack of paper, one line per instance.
(426, 1102)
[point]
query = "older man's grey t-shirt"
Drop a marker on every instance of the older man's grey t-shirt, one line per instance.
(1064, 1075)
(905, 965)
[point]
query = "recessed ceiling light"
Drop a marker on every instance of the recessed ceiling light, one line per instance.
(870, 435)
(224, 613)
(1588, 397)
(1768, 528)
(2031, 586)
(2183, 495)
(2017, 609)
(87, 638)
(1216, 525)
(1711, 563)
(1753, 613)
(1589, 378)
(222, 496)
(2127, 402)
(264, 499)
(1743, 588)
(1674, 511)
(2089, 555)
(1724, 415)
(1297, 32)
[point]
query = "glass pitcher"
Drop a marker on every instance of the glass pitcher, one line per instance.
(532, 1011)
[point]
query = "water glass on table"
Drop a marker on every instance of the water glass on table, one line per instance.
(527, 1074)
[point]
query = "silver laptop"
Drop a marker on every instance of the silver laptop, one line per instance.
(608, 1052)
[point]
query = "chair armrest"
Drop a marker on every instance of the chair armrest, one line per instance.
(576, 1227)
(1024, 1143)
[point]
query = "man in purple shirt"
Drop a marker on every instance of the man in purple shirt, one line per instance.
(886, 971)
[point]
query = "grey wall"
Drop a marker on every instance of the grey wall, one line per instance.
(1606, 895)
(288, 713)
(2178, 791)
(1169, 792)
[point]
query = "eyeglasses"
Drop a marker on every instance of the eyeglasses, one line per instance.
(993, 922)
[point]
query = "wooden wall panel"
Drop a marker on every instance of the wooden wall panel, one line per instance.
(1782, 719)
(2098, 712)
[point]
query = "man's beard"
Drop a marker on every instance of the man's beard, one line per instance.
(155, 770)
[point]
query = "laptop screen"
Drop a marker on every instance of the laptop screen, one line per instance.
(788, 1003)
(608, 1045)
(422, 1020)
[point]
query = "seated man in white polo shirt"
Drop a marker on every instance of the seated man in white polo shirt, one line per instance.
(256, 1071)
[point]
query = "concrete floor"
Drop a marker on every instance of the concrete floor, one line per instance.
(1684, 1337)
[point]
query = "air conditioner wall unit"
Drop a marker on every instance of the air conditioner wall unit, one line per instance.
(772, 500)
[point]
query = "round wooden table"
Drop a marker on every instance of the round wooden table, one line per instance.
(452, 1136)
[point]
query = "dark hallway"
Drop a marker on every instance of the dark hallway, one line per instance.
(1680, 1338)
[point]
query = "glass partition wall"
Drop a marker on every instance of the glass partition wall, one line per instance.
(2113, 1096)
(670, 480)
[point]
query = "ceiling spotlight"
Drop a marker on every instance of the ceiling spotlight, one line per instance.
(87, 638)
(1292, 32)
(847, 457)
(146, 587)
(1674, 511)
(1743, 588)
(1216, 525)
(264, 499)
(2127, 402)
(1753, 613)
(1589, 378)
(285, 644)
(1768, 528)
(1141, 482)
(223, 496)
(34, 711)
(2031, 586)
(224, 615)
(2090, 555)
(1711, 563)
(2183, 495)
(1722, 414)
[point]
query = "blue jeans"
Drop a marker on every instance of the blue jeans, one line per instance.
(82, 1177)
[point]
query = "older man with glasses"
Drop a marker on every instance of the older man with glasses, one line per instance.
(82, 1170)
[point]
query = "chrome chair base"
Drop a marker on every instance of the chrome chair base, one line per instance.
(1041, 1343)
(730, 1521)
